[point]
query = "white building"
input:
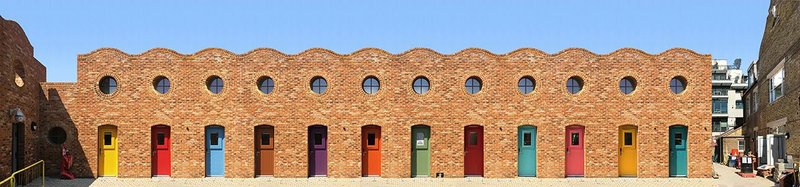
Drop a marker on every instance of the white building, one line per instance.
(728, 86)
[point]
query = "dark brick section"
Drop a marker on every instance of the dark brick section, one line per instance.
(189, 107)
(17, 65)
(779, 44)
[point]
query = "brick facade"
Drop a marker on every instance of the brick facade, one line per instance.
(344, 108)
(19, 67)
(779, 45)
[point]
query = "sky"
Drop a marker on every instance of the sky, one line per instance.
(60, 30)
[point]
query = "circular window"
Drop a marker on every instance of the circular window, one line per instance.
(108, 85)
(266, 85)
(161, 84)
(627, 85)
(215, 84)
(319, 85)
(526, 85)
(18, 80)
(574, 85)
(677, 85)
(57, 135)
(421, 85)
(371, 85)
(473, 85)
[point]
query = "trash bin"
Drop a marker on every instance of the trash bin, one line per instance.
(747, 164)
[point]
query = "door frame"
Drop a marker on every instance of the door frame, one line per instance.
(684, 130)
(520, 143)
(479, 143)
(365, 147)
(101, 147)
(209, 148)
(424, 146)
(258, 147)
(634, 130)
(312, 147)
(568, 145)
(154, 147)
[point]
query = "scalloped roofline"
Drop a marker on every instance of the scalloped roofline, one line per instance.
(381, 51)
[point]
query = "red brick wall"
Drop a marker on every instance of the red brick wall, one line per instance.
(16, 59)
(345, 108)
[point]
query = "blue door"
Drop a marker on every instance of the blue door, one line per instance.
(677, 151)
(215, 151)
(526, 138)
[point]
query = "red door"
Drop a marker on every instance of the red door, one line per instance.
(473, 150)
(371, 151)
(265, 154)
(161, 150)
(574, 150)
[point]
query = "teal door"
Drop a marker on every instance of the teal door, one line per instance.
(677, 151)
(420, 151)
(526, 146)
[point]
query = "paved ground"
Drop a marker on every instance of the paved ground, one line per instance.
(727, 179)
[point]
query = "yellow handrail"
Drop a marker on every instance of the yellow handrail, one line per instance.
(12, 177)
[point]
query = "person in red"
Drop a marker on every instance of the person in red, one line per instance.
(66, 163)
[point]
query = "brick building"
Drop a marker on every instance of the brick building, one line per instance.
(417, 113)
(773, 112)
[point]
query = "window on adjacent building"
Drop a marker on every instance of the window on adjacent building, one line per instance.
(421, 85)
(720, 105)
(473, 85)
(739, 104)
(319, 85)
(371, 85)
(108, 85)
(776, 86)
(741, 145)
(214, 84)
(526, 85)
(161, 84)
(574, 84)
(719, 124)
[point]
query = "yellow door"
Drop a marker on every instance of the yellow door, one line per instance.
(627, 151)
(107, 143)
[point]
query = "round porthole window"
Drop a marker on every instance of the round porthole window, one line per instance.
(57, 135)
(677, 85)
(574, 85)
(108, 85)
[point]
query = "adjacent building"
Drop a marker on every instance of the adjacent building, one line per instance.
(773, 113)
(728, 85)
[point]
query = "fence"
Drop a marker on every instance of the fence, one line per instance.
(12, 179)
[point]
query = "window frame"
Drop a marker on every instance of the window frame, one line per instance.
(522, 87)
(418, 88)
(162, 88)
(213, 86)
(473, 85)
(270, 85)
(371, 85)
(631, 85)
(575, 82)
(683, 84)
(108, 85)
(319, 85)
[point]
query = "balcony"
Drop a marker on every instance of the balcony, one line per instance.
(719, 92)
(725, 67)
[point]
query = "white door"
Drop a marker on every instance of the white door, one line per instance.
(761, 150)
(769, 147)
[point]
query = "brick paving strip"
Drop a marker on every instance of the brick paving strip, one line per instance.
(379, 182)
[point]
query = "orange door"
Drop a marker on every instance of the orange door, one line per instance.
(265, 150)
(371, 150)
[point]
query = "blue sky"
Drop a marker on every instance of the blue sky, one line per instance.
(60, 30)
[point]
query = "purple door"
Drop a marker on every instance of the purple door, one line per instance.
(317, 151)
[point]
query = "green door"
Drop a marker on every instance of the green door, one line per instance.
(677, 151)
(526, 137)
(420, 151)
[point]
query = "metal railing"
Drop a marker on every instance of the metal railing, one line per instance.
(12, 178)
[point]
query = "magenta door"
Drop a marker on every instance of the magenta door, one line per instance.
(317, 151)
(574, 150)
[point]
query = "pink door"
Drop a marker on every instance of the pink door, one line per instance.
(574, 150)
